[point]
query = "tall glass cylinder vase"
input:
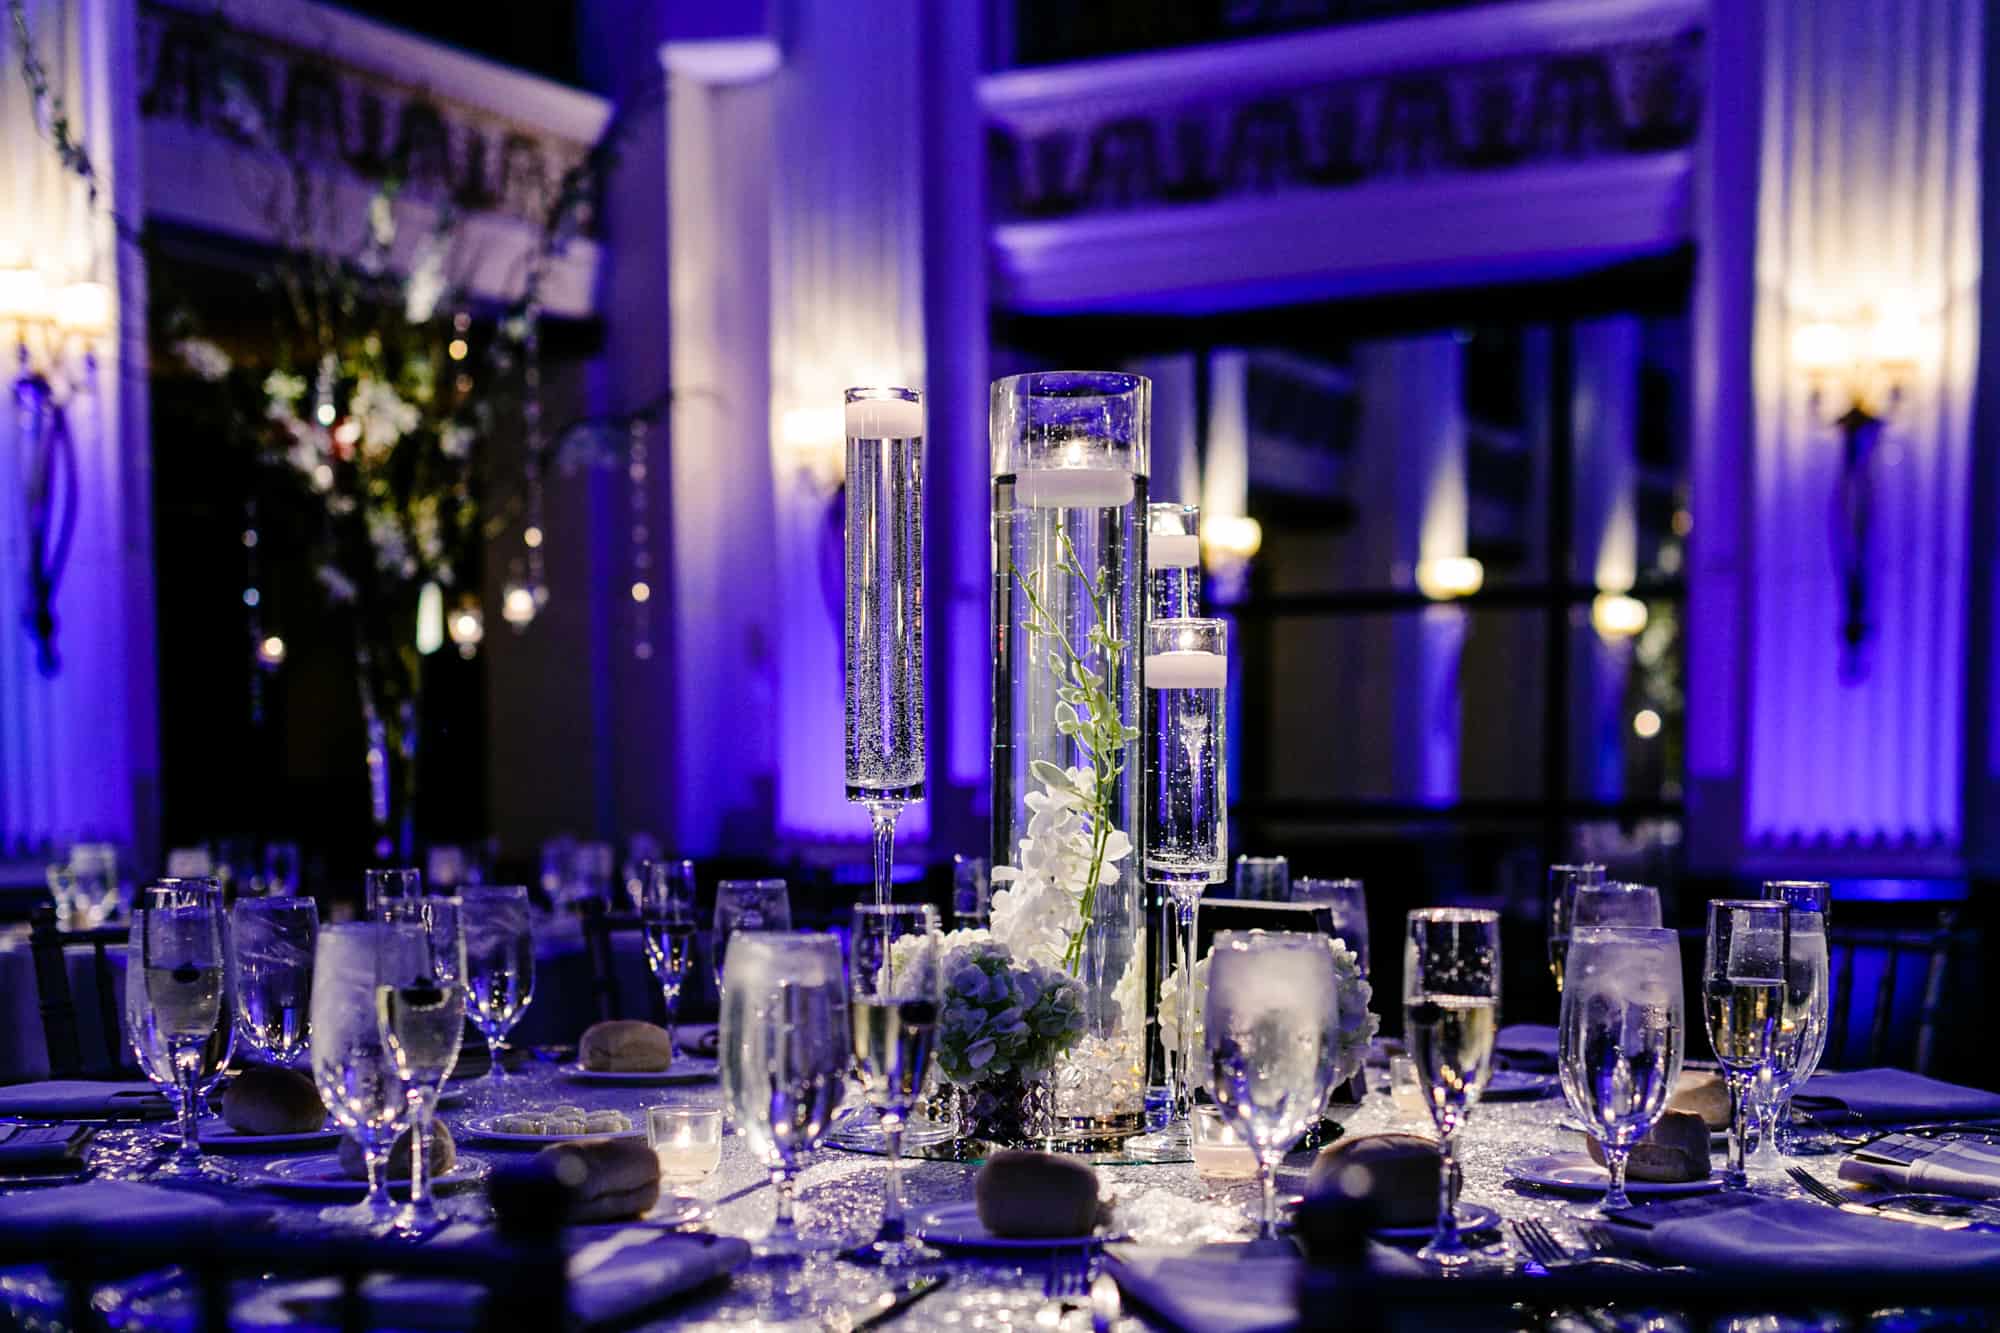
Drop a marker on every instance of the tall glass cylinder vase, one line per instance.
(1069, 565)
(1173, 591)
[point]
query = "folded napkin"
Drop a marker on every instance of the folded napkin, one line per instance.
(1227, 1288)
(100, 1204)
(1527, 1046)
(42, 1149)
(1908, 1164)
(1758, 1235)
(83, 1099)
(1889, 1096)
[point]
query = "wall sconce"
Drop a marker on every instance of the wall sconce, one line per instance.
(1445, 577)
(517, 603)
(468, 628)
(1229, 542)
(1857, 370)
(1617, 616)
(813, 442)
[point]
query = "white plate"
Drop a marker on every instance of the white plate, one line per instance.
(217, 1136)
(481, 1128)
(1471, 1217)
(322, 1174)
(958, 1225)
(687, 1069)
(1575, 1173)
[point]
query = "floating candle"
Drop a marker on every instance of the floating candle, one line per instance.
(1173, 550)
(884, 419)
(1183, 670)
(1074, 488)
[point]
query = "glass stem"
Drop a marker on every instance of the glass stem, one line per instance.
(185, 1060)
(781, 1222)
(892, 1196)
(1615, 1159)
(670, 1000)
(496, 1050)
(377, 1162)
(420, 1166)
(1183, 1084)
(1446, 1240)
(1739, 1126)
(1267, 1181)
(884, 815)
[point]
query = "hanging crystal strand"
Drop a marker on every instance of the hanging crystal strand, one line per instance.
(533, 534)
(642, 554)
(253, 598)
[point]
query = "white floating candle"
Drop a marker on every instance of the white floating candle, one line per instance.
(884, 419)
(1074, 488)
(1186, 670)
(1173, 550)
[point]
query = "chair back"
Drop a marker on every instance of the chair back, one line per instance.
(600, 925)
(1887, 982)
(48, 945)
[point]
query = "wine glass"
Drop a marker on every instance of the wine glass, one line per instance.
(181, 976)
(221, 1045)
(499, 971)
(1346, 901)
(1270, 1047)
(352, 1065)
(422, 1016)
(666, 916)
(1620, 1038)
(785, 1050)
(1616, 903)
(1802, 1032)
(390, 885)
(895, 992)
(1451, 1014)
(272, 942)
(747, 904)
(1743, 998)
(1563, 884)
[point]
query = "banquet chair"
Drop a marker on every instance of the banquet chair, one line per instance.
(600, 926)
(1885, 958)
(47, 945)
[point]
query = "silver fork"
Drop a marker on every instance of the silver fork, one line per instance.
(1068, 1277)
(1541, 1244)
(1827, 1194)
(1816, 1187)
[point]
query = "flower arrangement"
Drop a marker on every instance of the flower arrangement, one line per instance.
(1004, 1016)
(1354, 1024)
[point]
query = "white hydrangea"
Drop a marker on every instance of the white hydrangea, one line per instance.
(385, 418)
(1354, 1022)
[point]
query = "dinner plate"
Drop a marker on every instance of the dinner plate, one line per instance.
(1471, 1217)
(1575, 1173)
(481, 1128)
(220, 1136)
(957, 1226)
(1517, 1085)
(321, 1173)
(687, 1069)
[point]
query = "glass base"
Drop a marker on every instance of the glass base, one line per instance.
(892, 1253)
(679, 1210)
(176, 1167)
(363, 1216)
(861, 1131)
(1172, 1144)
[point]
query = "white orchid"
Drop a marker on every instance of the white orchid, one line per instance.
(1040, 908)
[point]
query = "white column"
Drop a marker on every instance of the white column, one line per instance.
(1606, 416)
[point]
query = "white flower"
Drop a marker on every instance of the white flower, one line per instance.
(382, 221)
(385, 418)
(455, 441)
(283, 388)
(339, 588)
(204, 358)
(1354, 1024)
(1040, 907)
(426, 283)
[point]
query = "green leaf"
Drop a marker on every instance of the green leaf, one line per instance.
(1050, 776)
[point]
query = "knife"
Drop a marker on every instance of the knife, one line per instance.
(886, 1306)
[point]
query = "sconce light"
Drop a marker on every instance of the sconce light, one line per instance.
(468, 628)
(813, 440)
(1229, 542)
(1617, 616)
(1445, 577)
(518, 605)
(271, 652)
(1857, 371)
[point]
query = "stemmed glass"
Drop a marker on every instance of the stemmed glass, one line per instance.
(1620, 1039)
(499, 972)
(785, 1054)
(895, 992)
(747, 904)
(1346, 901)
(180, 979)
(1270, 1047)
(421, 1011)
(357, 1076)
(1802, 1032)
(666, 915)
(272, 940)
(885, 616)
(1743, 998)
(1451, 1014)
(1563, 884)
(1187, 671)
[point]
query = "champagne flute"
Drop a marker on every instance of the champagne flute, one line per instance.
(1616, 903)
(1743, 998)
(666, 915)
(1620, 1039)
(885, 611)
(895, 993)
(1451, 1014)
(1187, 832)
(747, 904)
(785, 1055)
(1802, 1032)
(272, 941)
(221, 1045)
(182, 974)
(1346, 901)
(1563, 884)
(421, 1012)
(499, 971)
(1270, 1044)
(353, 1068)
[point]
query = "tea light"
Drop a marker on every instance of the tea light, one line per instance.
(688, 1143)
(1074, 488)
(884, 419)
(1218, 1153)
(1173, 550)
(1181, 669)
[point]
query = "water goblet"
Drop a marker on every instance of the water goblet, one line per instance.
(357, 1075)
(1451, 1015)
(747, 904)
(272, 942)
(421, 1012)
(1346, 901)
(687, 1141)
(1743, 999)
(1802, 1032)
(1620, 1039)
(499, 972)
(895, 993)
(667, 918)
(1615, 903)
(1563, 884)
(180, 976)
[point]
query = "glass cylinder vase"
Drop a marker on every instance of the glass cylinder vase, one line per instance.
(1069, 579)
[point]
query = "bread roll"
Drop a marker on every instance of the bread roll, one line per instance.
(608, 1179)
(626, 1046)
(443, 1155)
(1025, 1194)
(1675, 1151)
(1706, 1095)
(264, 1099)
(1396, 1173)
